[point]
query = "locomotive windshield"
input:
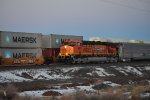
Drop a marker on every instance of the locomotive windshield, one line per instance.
(72, 43)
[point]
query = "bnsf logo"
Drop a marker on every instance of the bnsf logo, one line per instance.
(24, 39)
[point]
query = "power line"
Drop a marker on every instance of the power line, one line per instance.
(127, 6)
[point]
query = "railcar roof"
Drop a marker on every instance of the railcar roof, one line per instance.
(99, 43)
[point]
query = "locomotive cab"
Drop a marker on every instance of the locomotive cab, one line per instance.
(68, 47)
(67, 50)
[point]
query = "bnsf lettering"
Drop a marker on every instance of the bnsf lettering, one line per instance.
(20, 55)
(24, 39)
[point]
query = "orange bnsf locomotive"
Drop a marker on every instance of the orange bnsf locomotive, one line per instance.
(75, 51)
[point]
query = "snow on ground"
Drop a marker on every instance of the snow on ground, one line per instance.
(70, 91)
(147, 68)
(44, 74)
(102, 72)
(121, 70)
(89, 74)
(133, 70)
(67, 91)
(37, 93)
(65, 70)
(30, 75)
(86, 88)
(144, 95)
(21, 75)
(128, 69)
(11, 77)
(35, 74)
(111, 84)
(113, 66)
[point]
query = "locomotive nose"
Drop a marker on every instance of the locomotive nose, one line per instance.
(63, 50)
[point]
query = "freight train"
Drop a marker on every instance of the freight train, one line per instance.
(79, 51)
(35, 48)
(75, 51)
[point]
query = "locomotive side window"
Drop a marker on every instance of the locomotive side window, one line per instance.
(65, 43)
(72, 44)
(78, 43)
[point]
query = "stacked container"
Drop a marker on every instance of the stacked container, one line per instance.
(52, 42)
(20, 44)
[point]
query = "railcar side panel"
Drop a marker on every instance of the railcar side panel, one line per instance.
(134, 51)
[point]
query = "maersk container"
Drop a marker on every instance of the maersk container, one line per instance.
(19, 53)
(55, 40)
(129, 51)
(20, 40)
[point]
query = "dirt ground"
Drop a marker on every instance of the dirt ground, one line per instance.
(80, 77)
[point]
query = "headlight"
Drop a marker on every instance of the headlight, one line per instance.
(65, 46)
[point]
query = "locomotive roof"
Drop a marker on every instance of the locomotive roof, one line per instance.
(99, 43)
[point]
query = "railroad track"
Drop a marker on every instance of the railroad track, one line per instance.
(13, 67)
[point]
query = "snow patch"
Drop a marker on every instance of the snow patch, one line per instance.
(37, 93)
(68, 91)
(147, 68)
(34, 74)
(65, 91)
(102, 72)
(111, 84)
(144, 95)
(65, 70)
(121, 70)
(128, 69)
(133, 70)
(87, 88)
(11, 77)
(113, 66)
(89, 74)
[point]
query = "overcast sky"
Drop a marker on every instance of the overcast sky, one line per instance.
(129, 19)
